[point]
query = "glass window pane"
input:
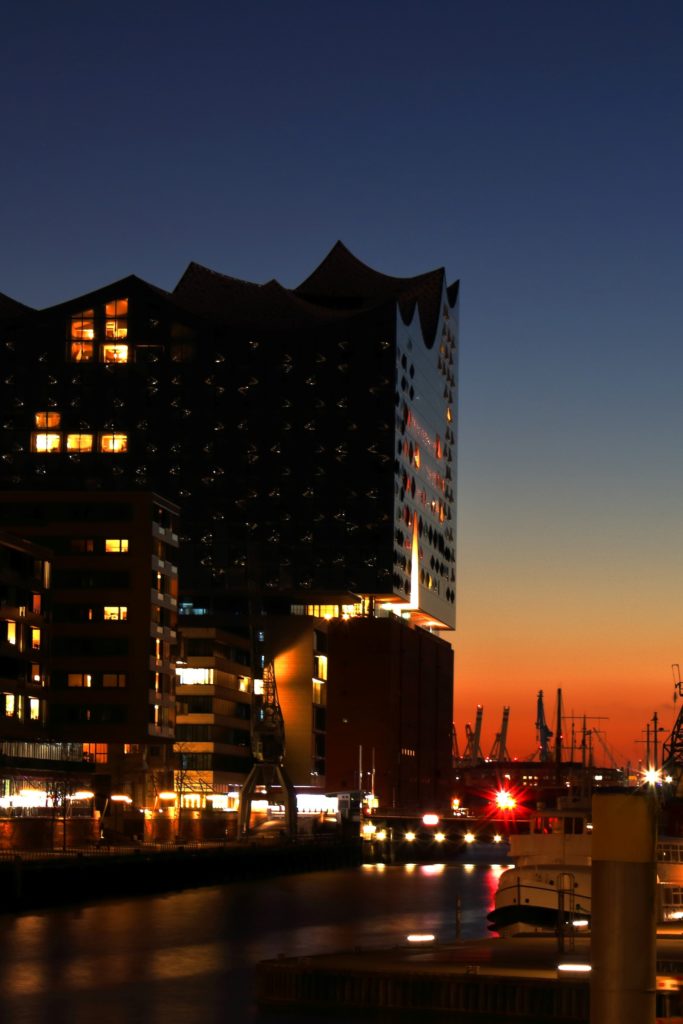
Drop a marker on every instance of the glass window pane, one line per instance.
(46, 442)
(82, 351)
(113, 442)
(114, 353)
(83, 325)
(79, 442)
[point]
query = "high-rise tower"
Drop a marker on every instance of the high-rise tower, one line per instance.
(308, 435)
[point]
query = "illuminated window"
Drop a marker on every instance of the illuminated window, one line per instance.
(79, 442)
(95, 752)
(116, 322)
(82, 351)
(114, 353)
(45, 420)
(34, 709)
(36, 603)
(320, 667)
(83, 326)
(318, 693)
(11, 632)
(113, 679)
(10, 705)
(116, 546)
(79, 679)
(113, 443)
(115, 613)
(195, 676)
(35, 638)
(46, 442)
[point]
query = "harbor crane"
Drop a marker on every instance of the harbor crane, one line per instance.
(268, 749)
(473, 754)
(543, 731)
(672, 750)
(499, 751)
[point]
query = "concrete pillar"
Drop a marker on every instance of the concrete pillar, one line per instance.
(623, 918)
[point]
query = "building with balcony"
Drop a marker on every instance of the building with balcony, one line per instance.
(114, 600)
(213, 721)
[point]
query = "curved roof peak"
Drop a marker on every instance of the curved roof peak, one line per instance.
(342, 273)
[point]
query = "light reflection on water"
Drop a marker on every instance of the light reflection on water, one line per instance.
(189, 956)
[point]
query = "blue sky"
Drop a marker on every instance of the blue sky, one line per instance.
(532, 148)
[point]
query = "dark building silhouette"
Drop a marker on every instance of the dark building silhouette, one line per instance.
(112, 628)
(308, 436)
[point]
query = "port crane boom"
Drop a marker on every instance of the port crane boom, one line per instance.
(543, 731)
(499, 751)
(473, 754)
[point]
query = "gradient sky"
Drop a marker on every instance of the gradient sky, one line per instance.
(534, 149)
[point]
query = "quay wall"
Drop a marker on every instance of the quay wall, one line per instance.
(463, 997)
(29, 881)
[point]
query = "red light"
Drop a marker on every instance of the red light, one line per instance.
(505, 801)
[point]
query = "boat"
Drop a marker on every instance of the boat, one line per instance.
(549, 880)
(548, 885)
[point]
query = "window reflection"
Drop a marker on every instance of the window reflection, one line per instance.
(79, 442)
(46, 442)
(83, 325)
(82, 351)
(116, 322)
(113, 443)
(114, 353)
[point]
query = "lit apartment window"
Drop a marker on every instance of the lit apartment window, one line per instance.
(320, 667)
(95, 752)
(83, 326)
(35, 673)
(46, 442)
(9, 705)
(82, 351)
(79, 679)
(116, 322)
(115, 613)
(115, 353)
(113, 443)
(34, 709)
(195, 676)
(36, 603)
(47, 420)
(79, 442)
(116, 545)
(11, 632)
(113, 679)
(35, 638)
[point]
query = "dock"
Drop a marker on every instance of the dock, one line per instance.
(488, 980)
